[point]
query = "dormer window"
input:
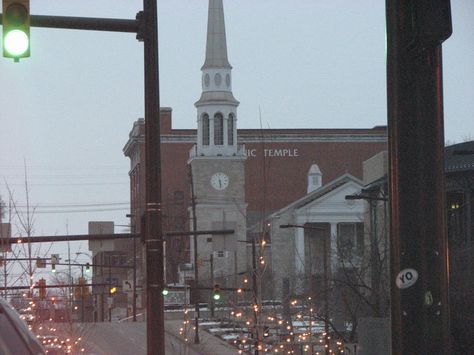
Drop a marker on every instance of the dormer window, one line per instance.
(218, 129)
(230, 130)
(205, 129)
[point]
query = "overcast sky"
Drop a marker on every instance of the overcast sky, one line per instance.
(66, 112)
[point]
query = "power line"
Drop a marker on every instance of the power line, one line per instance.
(79, 211)
(72, 205)
(73, 184)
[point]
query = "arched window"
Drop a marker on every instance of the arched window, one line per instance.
(218, 129)
(230, 130)
(205, 129)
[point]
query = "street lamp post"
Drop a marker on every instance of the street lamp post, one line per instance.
(326, 280)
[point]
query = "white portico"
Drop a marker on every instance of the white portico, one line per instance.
(329, 220)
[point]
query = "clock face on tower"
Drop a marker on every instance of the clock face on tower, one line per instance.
(219, 181)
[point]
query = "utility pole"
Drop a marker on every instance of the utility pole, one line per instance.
(82, 292)
(196, 273)
(213, 305)
(326, 298)
(4, 254)
(153, 212)
(419, 262)
(256, 304)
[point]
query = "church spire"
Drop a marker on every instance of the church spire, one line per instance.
(217, 106)
(216, 45)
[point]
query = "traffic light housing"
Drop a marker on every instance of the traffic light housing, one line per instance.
(42, 288)
(216, 293)
(54, 261)
(16, 29)
(88, 267)
(83, 289)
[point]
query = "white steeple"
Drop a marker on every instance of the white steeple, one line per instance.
(217, 107)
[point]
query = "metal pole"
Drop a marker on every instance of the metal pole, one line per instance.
(255, 295)
(211, 260)
(134, 296)
(419, 286)
(109, 306)
(196, 272)
(82, 295)
(102, 295)
(154, 235)
(326, 298)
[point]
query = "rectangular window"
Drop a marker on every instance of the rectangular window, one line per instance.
(230, 130)
(218, 130)
(350, 240)
(205, 130)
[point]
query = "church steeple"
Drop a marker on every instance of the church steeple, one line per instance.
(216, 45)
(217, 107)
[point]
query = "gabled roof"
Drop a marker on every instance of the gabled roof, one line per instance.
(318, 193)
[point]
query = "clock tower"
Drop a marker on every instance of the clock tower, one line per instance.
(217, 164)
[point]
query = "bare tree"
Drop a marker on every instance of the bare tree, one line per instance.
(361, 284)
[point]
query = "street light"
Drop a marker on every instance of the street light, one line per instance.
(326, 281)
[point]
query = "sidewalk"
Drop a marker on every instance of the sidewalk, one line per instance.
(209, 344)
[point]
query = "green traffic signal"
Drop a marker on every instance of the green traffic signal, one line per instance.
(216, 294)
(165, 291)
(16, 29)
(16, 43)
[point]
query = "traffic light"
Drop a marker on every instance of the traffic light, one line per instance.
(42, 288)
(16, 29)
(54, 261)
(112, 290)
(165, 291)
(88, 268)
(83, 289)
(216, 293)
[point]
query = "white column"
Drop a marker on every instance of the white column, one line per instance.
(224, 128)
(211, 129)
(333, 250)
(299, 260)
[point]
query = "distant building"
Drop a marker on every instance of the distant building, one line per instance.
(112, 262)
(459, 167)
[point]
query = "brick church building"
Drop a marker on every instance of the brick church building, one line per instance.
(240, 176)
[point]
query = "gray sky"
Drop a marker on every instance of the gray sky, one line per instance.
(68, 109)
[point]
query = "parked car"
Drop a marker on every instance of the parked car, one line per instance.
(15, 337)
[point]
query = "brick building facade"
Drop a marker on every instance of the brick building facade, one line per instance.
(275, 170)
